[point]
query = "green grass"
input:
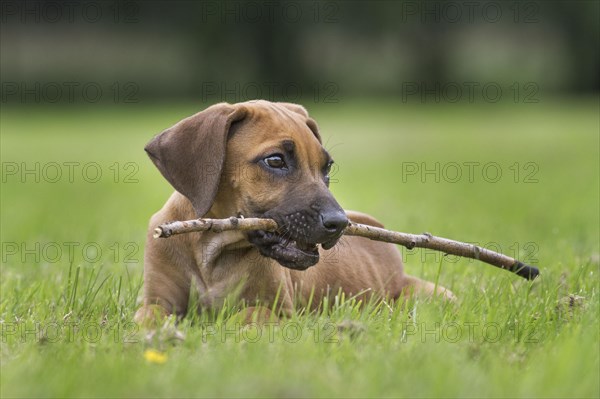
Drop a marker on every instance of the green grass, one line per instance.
(66, 315)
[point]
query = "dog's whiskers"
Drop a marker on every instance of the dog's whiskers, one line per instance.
(286, 236)
(343, 242)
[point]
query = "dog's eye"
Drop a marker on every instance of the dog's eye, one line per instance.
(327, 171)
(275, 162)
(328, 168)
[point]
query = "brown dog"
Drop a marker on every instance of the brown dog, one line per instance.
(259, 159)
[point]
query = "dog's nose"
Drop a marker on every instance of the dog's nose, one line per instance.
(334, 221)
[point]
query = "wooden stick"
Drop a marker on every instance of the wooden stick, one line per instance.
(409, 241)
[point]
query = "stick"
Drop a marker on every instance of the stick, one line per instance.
(409, 241)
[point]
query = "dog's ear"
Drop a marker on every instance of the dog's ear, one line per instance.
(299, 109)
(191, 154)
(312, 124)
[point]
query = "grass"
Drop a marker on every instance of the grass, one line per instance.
(72, 260)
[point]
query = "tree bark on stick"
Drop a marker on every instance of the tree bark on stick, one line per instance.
(407, 240)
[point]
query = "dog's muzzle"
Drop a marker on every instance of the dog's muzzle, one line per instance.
(296, 244)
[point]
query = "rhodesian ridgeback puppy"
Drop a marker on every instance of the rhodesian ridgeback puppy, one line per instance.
(260, 159)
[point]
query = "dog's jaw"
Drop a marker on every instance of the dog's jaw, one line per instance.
(297, 255)
(295, 245)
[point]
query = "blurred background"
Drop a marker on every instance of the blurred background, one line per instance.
(320, 51)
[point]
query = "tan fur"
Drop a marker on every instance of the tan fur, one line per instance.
(218, 266)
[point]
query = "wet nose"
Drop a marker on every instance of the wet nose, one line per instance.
(334, 221)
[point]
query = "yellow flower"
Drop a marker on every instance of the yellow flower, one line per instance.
(154, 356)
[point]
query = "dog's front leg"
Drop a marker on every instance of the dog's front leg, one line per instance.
(166, 283)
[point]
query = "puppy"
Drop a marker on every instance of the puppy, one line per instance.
(260, 159)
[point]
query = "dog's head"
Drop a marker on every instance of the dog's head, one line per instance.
(256, 159)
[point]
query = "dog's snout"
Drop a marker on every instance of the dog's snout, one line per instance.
(334, 221)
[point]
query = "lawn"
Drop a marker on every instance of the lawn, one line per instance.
(77, 192)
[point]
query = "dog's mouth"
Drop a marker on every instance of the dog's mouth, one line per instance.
(293, 254)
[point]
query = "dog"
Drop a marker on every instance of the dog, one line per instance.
(260, 159)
